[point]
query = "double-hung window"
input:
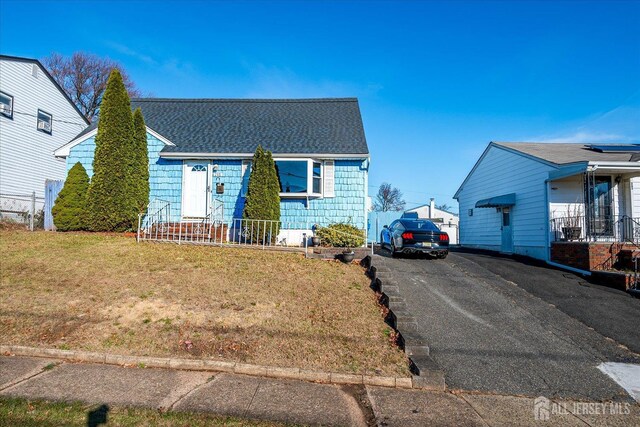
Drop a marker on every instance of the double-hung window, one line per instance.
(6, 105)
(44, 121)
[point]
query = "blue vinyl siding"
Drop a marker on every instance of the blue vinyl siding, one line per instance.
(165, 178)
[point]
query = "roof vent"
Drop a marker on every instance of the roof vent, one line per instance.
(34, 71)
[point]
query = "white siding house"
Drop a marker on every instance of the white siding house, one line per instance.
(520, 197)
(36, 117)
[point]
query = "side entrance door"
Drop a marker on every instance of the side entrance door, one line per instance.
(507, 235)
(195, 189)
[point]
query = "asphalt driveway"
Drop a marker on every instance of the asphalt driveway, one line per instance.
(503, 326)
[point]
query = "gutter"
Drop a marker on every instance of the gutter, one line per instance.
(170, 155)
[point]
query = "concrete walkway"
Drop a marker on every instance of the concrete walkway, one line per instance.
(289, 401)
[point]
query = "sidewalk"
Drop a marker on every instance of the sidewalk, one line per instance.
(287, 401)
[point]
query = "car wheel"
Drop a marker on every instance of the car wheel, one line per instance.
(443, 255)
(394, 254)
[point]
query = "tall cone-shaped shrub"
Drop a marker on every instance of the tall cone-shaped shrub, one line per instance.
(140, 170)
(272, 198)
(263, 198)
(110, 201)
(70, 208)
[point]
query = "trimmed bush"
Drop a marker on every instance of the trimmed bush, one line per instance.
(70, 208)
(341, 235)
(140, 169)
(110, 201)
(263, 197)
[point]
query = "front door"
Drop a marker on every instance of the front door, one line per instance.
(602, 207)
(195, 190)
(507, 235)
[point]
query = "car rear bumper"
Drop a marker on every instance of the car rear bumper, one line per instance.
(413, 249)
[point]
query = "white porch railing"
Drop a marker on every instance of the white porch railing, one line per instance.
(607, 228)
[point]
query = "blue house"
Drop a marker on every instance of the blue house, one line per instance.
(200, 153)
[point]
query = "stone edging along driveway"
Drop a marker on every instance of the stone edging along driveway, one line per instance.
(211, 366)
(427, 373)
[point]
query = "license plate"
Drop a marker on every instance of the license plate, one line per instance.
(425, 244)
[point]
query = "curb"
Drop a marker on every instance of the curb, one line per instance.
(427, 374)
(211, 366)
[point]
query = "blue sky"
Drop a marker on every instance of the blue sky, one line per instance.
(436, 80)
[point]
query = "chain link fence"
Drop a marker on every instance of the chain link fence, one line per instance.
(22, 209)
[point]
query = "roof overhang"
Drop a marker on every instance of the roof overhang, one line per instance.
(64, 151)
(629, 169)
(185, 156)
(497, 201)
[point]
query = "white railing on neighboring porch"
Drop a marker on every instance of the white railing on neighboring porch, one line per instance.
(608, 228)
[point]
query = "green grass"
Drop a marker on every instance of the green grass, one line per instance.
(106, 293)
(39, 413)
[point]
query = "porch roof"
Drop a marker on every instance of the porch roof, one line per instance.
(566, 153)
(627, 169)
(497, 201)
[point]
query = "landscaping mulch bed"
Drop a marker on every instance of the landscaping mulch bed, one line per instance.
(107, 293)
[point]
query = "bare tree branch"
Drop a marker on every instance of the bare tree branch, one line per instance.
(388, 199)
(444, 207)
(83, 77)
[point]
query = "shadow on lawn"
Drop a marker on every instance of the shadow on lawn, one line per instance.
(97, 416)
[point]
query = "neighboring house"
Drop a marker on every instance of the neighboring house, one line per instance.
(445, 220)
(36, 117)
(200, 153)
(572, 204)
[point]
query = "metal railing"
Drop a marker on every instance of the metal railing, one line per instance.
(606, 228)
(157, 224)
(265, 233)
(153, 225)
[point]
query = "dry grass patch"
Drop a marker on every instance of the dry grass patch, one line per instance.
(101, 292)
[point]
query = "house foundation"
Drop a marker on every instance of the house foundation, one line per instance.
(593, 256)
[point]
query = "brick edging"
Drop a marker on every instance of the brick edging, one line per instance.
(427, 373)
(211, 366)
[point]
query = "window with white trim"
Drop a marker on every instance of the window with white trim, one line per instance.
(299, 177)
(246, 172)
(317, 178)
(44, 121)
(6, 105)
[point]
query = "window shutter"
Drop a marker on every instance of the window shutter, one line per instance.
(329, 178)
(246, 171)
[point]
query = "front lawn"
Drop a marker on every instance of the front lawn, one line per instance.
(107, 293)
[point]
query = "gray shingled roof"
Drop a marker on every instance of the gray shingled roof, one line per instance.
(284, 126)
(565, 153)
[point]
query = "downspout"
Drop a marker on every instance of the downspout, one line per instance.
(366, 200)
(547, 186)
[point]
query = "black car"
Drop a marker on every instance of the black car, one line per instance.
(415, 236)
